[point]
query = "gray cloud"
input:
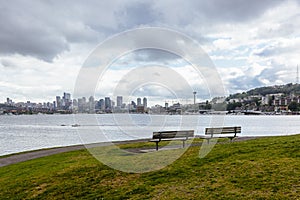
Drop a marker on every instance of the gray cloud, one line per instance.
(46, 29)
(235, 10)
(214, 11)
(244, 83)
(7, 63)
(278, 49)
(154, 55)
(137, 13)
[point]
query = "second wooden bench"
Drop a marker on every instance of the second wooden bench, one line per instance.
(221, 132)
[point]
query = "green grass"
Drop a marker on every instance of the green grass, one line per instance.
(265, 168)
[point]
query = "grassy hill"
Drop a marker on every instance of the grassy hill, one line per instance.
(264, 168)
(284, 89)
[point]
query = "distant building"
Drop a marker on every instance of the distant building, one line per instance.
(67, 96)
(82, 105)
(101, 104)
(58, 102)
(132, 106)
(139, 101)
(119, 101)
(140, 109)
(166, 105)
(91, 104)
(108, 104)
(67, 103)
(75, 103)
(145, 103)
(9, 101)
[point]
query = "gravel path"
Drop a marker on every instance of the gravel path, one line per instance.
(46, 152)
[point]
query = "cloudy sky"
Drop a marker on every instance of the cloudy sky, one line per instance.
(43, 44)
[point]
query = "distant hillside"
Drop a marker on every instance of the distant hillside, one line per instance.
(285, 89)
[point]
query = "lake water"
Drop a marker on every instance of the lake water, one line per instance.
(30, 132)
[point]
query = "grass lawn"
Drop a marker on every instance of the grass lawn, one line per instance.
(264, 168)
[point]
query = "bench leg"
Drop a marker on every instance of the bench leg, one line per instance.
(183, 143)
(156, 146)
(207, 141)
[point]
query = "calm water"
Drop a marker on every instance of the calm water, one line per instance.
(29, 132)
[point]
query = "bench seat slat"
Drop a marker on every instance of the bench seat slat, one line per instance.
(222, 130)
(172, 134)
(168, 139)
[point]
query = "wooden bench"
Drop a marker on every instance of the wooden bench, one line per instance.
(171, 135)
(221, 132)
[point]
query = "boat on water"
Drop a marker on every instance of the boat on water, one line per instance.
(75, 125)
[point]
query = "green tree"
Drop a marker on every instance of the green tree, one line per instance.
(293, 106)
(232, 106)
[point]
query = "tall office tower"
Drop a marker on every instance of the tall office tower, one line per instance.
(119, 101)
(91, 104)
(101, 104)
(80, 105)
(75, 102)
(67, 96)
(58, 102)
(66, 101)
(139, 101)
(145, 102)
(107, 103)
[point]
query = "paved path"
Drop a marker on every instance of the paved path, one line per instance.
(46, 152)
(36, 154)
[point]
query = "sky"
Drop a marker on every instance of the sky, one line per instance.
(44, 44)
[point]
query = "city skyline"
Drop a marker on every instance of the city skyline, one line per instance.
(278, 99)
(66, 101)
(251, 44)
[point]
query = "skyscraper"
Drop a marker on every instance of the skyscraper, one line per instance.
(58, 102)
(67, 96)
(145, 103)
(119, 101)
(101, 104)
(91, 104)
(66, 101)
(139, 101)
(107, 103)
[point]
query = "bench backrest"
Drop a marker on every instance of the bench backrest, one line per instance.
(223, 130)
(173, 134)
